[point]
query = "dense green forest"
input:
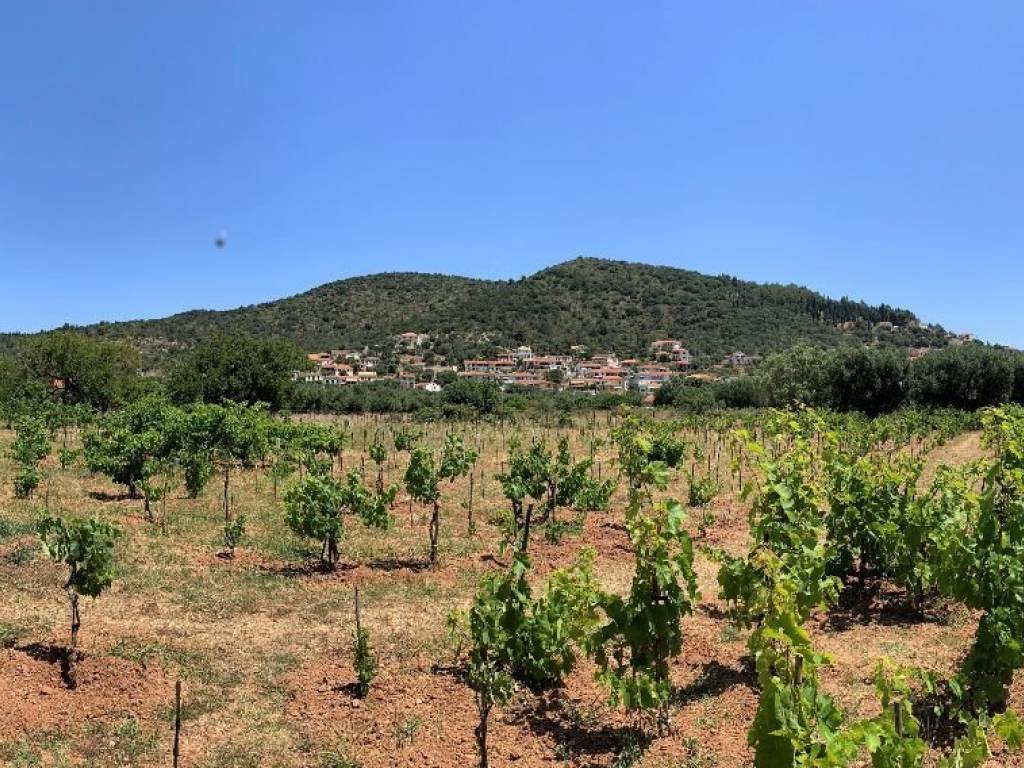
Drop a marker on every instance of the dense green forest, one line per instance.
(606, 305)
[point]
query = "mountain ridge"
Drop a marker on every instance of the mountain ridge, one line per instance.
(604, 304)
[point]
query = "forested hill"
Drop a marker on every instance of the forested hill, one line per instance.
(606, 305)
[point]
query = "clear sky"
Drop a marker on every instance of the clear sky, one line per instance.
(868, 148)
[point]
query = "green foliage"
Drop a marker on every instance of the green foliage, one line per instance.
(316, 504)
(643, 632)
(197, 467)
(424, 474)
(491, 683)
(85, 546)
(871, 381)
(775, 587)
(378, 453)
(237, 368)
(880, 380)
(126, 445)
(701, 492)
(30, 447)
(465, 396)
(233, 532)
(32, 442)
(802, 375)
(314, 509)
(873, 522)
(405, 439)
(421, 477)
(537, 483)
(594, 496)
(231, 434)
(363, 661)
(981, 562)
(785, 570)
(310, 444)
(967, 377)
(456, 458)
(373, 509)
(516, 637)
(600, 303)
(81, 368)
(543, 634)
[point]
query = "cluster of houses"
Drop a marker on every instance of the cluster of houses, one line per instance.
(513, 367)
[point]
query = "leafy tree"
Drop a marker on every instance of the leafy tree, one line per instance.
(480, 397)
(687, 394)
(1017, 395)
(229, 436)
(799, 375)
(29, 448)
(20, 393)
(82, 368)
(128, 445)
(86, 547)
(237, 368)
(968, 377)
(873, 381)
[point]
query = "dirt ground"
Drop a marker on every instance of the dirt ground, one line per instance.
(262, 642)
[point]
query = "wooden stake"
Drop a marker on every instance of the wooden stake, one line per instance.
(359, 621)
(177, 723)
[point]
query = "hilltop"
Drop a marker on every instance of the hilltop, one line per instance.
(607, 305)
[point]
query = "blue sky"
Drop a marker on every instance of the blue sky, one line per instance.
(872, 149)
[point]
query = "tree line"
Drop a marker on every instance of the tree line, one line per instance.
(68, 369)
(869, 380)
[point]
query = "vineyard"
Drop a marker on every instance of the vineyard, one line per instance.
(768, 588)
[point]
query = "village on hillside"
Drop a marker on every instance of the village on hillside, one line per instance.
(412, 364)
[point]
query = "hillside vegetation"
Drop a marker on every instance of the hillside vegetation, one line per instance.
(606, 305)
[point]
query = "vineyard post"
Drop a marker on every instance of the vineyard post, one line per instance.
(359, 621)
(227, 493)
(470, 506)
(177, 724)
